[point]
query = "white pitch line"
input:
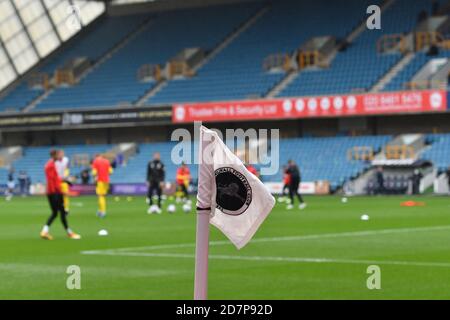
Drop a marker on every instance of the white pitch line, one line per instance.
(278, 239)
(278, 259)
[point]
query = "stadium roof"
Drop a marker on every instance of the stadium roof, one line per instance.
(31, 29)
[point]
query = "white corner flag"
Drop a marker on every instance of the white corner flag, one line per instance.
(229, 197)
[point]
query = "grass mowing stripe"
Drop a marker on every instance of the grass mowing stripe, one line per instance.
(277, 239)
(276, 259)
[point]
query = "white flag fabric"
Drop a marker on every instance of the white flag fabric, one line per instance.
(237, 200)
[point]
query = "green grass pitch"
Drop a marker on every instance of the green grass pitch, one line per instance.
(319, 253)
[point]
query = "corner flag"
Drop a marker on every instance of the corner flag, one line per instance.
(229, 197)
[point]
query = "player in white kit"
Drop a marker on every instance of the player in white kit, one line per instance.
(62, 168)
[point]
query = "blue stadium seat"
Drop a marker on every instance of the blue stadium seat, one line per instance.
(34, 159)
(318, 158)
(312, 154)
(237, 73)
(326, 158)
(408, 72)
(360, 66)
(439, 151)
(115, 81)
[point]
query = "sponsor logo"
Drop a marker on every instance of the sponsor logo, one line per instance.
(300, 105)
(436, 100)
(312, 104)
(351, 102)
(338, 103)
(325, 104)
(287, 106)
(179, 113)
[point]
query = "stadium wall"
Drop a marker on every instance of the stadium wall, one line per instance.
(316, 127)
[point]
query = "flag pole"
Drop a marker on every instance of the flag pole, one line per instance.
(201, 256)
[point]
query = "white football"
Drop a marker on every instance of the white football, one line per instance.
(103, 233)
(153, 209)
(171, 208)
(364, 217)
(186, 208)
(344, 200)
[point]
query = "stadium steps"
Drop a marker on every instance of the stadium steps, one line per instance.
(282, 84)
(396, 69)
(9, 155)
(100, 61)
(37, 100)
(362, 27)
(150, 93)
(423, 151)
(357, 32)
(359, 184)
(438, 152)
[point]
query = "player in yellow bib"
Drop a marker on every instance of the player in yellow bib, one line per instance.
(101, 169)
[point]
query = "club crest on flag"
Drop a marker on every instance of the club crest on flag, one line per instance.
(235, 199)
(233, 191)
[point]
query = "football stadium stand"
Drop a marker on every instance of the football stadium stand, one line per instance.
(3, 174)
(136, 168)
(439, 151)
(237, 72)
(326, 158)
(319, 158)
(404, 76)
(93, 45)
(115, 81)
(19, 98)
(241, 36)
(360, 66)
(34, 159)
(312, 154)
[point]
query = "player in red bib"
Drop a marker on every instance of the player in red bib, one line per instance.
(252, 170)
(55, 198)
(286, 182)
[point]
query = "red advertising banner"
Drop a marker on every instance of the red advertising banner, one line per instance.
(310, 107)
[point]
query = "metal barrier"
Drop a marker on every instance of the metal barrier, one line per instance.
(396, 152)
(310, 58)
(392, 42)
(63, 76)
(39, 80)
(277, 61)
(149, 71)
(364, 153)
(427, 38)
(425, 84)
(179, 68)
